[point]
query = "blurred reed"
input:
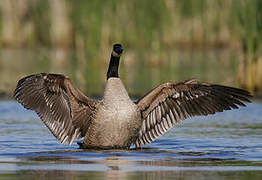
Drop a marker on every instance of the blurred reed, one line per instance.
(147, 28)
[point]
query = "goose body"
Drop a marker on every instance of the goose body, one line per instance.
(117, 121)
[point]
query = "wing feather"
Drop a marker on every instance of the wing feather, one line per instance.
(65, 110)
(170, 103)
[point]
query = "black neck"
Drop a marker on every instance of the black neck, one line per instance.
(113, 67)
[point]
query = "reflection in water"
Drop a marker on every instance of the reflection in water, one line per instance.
(146, 163)
(154, 175)
(59, 62)
(118, 169)
(118, 165)
(139, 71)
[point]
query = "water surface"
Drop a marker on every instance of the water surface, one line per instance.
(223, 146)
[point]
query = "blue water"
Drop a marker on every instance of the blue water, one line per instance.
(222, 146)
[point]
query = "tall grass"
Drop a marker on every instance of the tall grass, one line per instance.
(247, 25)
(147, 28)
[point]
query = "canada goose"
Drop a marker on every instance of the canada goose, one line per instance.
(117, 121)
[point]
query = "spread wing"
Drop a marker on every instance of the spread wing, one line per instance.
(169, 103)
(64, 109)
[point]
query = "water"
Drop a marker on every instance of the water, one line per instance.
(223, 146)
(140, 71)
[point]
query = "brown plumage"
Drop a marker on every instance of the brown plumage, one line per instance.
(170, 103)
(63, 108)
(116, 121)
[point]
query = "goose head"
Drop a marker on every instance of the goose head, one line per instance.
(117, 50)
